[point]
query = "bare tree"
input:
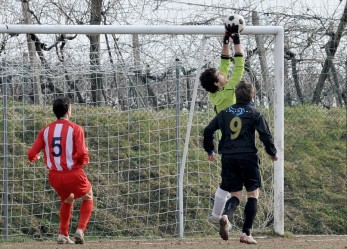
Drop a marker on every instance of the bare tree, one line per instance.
(32, 57)
(253, 75)
(330, 49)
(292, 57)
(262, 56)
(304, 32)
(98, 94)
(333, 76)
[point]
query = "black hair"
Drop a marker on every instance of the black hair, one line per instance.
(208, 79)
(61, 106)
(244, 92)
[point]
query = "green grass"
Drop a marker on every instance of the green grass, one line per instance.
(315, 170)
(127, 175)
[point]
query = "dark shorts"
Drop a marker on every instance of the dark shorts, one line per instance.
(70, 182)
(240, 170)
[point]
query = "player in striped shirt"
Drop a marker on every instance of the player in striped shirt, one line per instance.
(65, 155)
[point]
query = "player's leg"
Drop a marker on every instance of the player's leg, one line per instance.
(66, 207)
(252, 184)
(86, 210)
(230, 207)
(57, 182)
(220, 198)
(230, 182)
(249, 217)
(232, 204)
(77, 183)
(83, 189)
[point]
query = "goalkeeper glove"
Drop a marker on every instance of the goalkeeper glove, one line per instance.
(226, 38)
(236, 38)
(232, 29)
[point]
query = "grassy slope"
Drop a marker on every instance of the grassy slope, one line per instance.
(315, 170)
(315, 173)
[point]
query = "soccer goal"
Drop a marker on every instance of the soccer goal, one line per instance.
(135, 91)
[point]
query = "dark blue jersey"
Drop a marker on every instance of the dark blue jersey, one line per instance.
(238, 124)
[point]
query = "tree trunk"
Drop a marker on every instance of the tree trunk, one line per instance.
(336, 85)
(289, 55)
(137, 71)
(287, 98)
(150, 98)
(35, 71)
(344, 92)
(98, 94)
(253, 76)
(262, 58)
(330, 48)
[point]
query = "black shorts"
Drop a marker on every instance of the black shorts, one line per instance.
(240, 170)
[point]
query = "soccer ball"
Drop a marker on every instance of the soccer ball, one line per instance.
(234, 23)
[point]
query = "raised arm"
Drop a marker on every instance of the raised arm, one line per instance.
(239, 67)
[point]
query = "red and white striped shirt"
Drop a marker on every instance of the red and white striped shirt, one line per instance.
(63, 144)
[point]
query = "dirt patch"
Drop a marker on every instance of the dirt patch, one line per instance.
(307, 242)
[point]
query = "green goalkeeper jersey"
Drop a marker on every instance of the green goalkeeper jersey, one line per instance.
(226, 96)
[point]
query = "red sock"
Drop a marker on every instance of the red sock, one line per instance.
(85, 213)
(65, 216)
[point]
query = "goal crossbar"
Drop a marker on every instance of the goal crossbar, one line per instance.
(133, 29)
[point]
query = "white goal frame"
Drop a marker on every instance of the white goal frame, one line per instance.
(277, 31)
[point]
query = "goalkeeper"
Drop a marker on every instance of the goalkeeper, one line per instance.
(222, 94)
(65, 156)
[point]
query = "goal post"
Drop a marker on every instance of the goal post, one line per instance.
(279, 133)
(278, 112)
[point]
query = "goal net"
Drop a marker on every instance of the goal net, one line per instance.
(136, 94)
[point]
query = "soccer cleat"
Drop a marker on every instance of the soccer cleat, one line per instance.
(212, 220)
(224, 227)
(247, 239)
(64, 240)
(79, 237)
(215, 222)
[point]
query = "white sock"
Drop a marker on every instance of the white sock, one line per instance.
(220, 198)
